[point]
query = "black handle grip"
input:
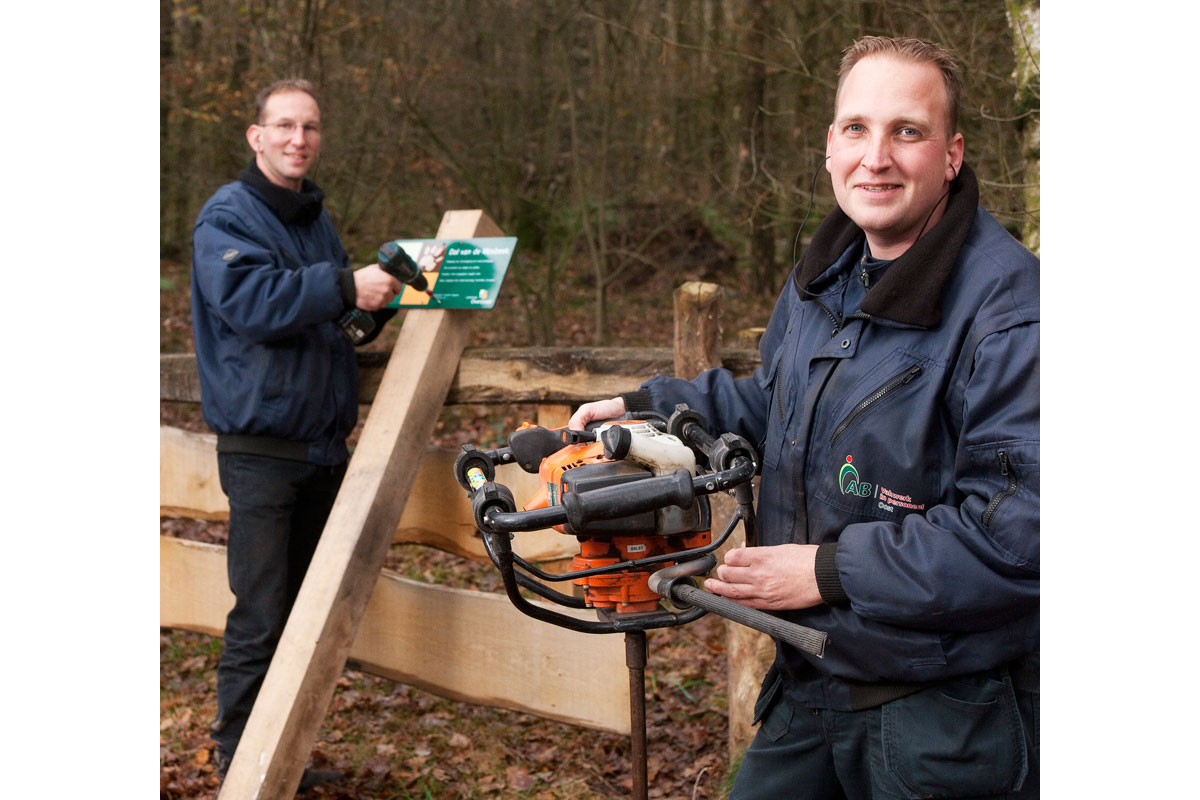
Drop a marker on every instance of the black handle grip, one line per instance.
(613, 502)
(674, 583)
(490, 499)
(806, 639)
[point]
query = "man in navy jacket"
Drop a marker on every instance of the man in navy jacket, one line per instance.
(897, 416)
(278, 378)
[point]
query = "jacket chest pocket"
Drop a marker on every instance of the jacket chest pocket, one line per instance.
(878, 453)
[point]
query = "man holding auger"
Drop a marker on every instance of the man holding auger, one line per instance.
(897, 416)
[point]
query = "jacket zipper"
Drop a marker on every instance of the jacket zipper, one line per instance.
(837, 323)
(1006, 470)
(779, 391)
(883, 391)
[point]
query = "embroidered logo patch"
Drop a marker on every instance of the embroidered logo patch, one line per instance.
(887, 500)
(230, 255)
(849, 481)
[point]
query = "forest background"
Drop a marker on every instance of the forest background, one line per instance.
(616, 140)
(630, 146)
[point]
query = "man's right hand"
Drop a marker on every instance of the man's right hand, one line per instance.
(374, 288)
(599, 410)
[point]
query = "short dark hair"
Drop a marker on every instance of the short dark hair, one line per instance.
(915, 50)
(285, 85)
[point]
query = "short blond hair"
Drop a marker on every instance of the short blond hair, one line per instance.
(917, 51)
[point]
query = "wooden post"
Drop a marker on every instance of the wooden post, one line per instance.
(553, 416)
(749, 652)
(748, 338)
(697, 328)
(312, 652)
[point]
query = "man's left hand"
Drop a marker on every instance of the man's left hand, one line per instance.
(773, 578)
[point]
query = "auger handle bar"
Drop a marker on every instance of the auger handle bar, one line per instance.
(675, 584)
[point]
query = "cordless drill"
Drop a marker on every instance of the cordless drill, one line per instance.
(357, 324)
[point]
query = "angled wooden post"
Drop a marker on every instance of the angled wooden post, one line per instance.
(312, 652)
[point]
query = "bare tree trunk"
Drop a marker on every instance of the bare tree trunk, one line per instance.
(1024, 16)
(754, 147)
(308, 29)
(169, 229)
(594, 237)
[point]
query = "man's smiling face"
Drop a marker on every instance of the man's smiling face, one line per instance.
(890, 155)
(288, 140)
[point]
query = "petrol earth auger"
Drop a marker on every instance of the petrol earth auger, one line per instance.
(634, 492)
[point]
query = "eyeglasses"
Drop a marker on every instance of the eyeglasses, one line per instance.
(289, 128)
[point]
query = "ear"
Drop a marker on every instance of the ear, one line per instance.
(828, 146)
(254, 137)
(954, 157)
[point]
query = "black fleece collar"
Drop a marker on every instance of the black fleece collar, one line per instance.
(293, 208)
(910, 291)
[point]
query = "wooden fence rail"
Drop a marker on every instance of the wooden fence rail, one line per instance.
(429, 636)
(549, 375)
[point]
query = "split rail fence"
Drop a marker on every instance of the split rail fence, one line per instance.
(466, 645)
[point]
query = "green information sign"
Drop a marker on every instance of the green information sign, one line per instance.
(462, 273)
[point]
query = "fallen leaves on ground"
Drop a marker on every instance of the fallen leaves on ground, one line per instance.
(394, 741)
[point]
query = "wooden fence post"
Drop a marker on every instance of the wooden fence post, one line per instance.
(697, 328)
(312, 652)
(748, 652)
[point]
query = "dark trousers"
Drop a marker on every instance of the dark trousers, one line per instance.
(975, 737)
(277, 510)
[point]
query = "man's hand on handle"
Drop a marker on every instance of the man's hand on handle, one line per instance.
(599, 410)
(771, 578)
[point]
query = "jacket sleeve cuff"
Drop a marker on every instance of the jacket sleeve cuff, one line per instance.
(829, 582)
(638, 401)
(346, 285)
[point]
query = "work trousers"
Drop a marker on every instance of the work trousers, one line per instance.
(974, 737)
(277, 510)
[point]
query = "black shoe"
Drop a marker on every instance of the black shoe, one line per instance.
(317, 777)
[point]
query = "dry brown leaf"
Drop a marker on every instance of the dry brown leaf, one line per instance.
(194, 664)
(519, 779)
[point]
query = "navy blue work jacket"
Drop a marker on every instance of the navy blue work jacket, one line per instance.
(265, 297)
(904, 440)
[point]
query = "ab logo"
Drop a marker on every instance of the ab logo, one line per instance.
(849, 482)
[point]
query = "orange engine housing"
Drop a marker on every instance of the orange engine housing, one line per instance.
(610, 542)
